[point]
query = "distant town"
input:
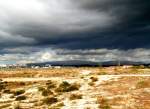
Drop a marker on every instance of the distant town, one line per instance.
(74, 64)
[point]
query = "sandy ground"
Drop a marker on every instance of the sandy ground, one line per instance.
(119, 91)
(103, 77)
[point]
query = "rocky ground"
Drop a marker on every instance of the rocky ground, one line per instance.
(85, 90)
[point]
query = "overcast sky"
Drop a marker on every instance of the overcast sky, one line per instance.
(92, 30)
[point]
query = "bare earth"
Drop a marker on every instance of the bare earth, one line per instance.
(75, 88)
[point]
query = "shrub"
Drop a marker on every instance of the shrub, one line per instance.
(16, 106)
(2, 85)
(19, 92)
(64, 84)
(102, 73)
(105, 107)
(50, 84)
(66, 87)
(75, 96)
(41, 88)
(7, 91)
(50, 100)
(22, 83)
(73, 87)
(12, 96)
(19, 98)
(94, 79)
(46, 92)
(57, 106)
(60, 104)
(103, 103)
(63, 87)
(91, 83)
(88, 108)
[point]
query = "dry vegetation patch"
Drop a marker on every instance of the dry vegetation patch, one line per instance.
(66, 88)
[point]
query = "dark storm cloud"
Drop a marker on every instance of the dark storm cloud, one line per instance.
(103, 22)
(30, 26)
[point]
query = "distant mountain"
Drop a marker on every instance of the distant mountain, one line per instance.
(65, 63)
(114, 63)
(86, 63)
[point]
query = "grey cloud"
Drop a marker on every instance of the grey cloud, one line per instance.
(74, 29)
(96, 55)
(50, 19)
(10, 39)
(51, 16)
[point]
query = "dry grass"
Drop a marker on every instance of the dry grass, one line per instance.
(69, 71)
(69, 84)
(143, 84)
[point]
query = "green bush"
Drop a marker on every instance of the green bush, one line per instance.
(19, 92)
(67, 87)
(64, 84)
(19, 98)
